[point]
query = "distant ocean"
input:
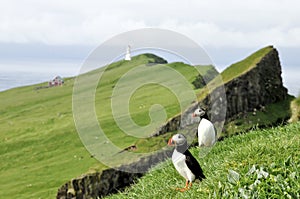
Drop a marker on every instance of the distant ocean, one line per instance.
(22, 74)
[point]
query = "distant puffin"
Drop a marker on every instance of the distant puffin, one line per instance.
(184, 162)
(207, 134)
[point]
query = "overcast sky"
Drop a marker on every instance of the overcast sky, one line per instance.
(210, 22)
(228, 30)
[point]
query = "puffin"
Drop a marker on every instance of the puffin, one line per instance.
(184, 162)
(207, 133)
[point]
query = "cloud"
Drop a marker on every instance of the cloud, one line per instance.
(210, 23)
(210, 34)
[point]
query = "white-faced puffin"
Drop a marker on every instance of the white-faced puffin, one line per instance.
(206, 131)
(184, 162)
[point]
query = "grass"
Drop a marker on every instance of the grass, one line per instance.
(39, 148)
(259, 164)
(151, 89)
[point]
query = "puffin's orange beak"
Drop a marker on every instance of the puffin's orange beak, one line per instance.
(170, 142)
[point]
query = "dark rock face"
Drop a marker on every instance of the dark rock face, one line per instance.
(96, 184)
(109, 181)
(260, 86)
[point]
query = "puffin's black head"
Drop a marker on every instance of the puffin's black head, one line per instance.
(179, 141)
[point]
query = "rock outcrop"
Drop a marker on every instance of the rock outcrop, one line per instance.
(109, 181)
(251, 90)
(258, 87)
(97, 184)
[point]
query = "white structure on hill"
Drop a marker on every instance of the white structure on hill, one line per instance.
(128, 51)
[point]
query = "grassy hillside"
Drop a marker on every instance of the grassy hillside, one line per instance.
(142, 99)
(40, 149)
(259, 164)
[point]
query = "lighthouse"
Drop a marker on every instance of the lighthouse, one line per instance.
(128, 56)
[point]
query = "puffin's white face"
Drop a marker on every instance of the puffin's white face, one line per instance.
(198, 112)
(177, 139)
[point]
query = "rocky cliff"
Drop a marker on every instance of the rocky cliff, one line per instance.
(257, 85)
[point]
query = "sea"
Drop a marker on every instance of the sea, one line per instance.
(14, 75)
(18, 74)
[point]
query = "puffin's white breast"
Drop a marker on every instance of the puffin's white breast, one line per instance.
(206, 133)
(178, 160)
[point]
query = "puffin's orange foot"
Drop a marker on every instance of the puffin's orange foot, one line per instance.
(182, 189)
(187, 187)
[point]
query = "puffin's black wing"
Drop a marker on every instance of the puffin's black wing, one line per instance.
(193, 165)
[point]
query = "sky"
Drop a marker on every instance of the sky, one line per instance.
(53, 30)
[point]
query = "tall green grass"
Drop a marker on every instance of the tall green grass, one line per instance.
(259, 164)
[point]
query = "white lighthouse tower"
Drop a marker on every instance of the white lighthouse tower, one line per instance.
(128, 51)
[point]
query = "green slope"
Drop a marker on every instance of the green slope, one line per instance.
(40, 149)
(259, 164)
(142, 99)
(244, 65)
